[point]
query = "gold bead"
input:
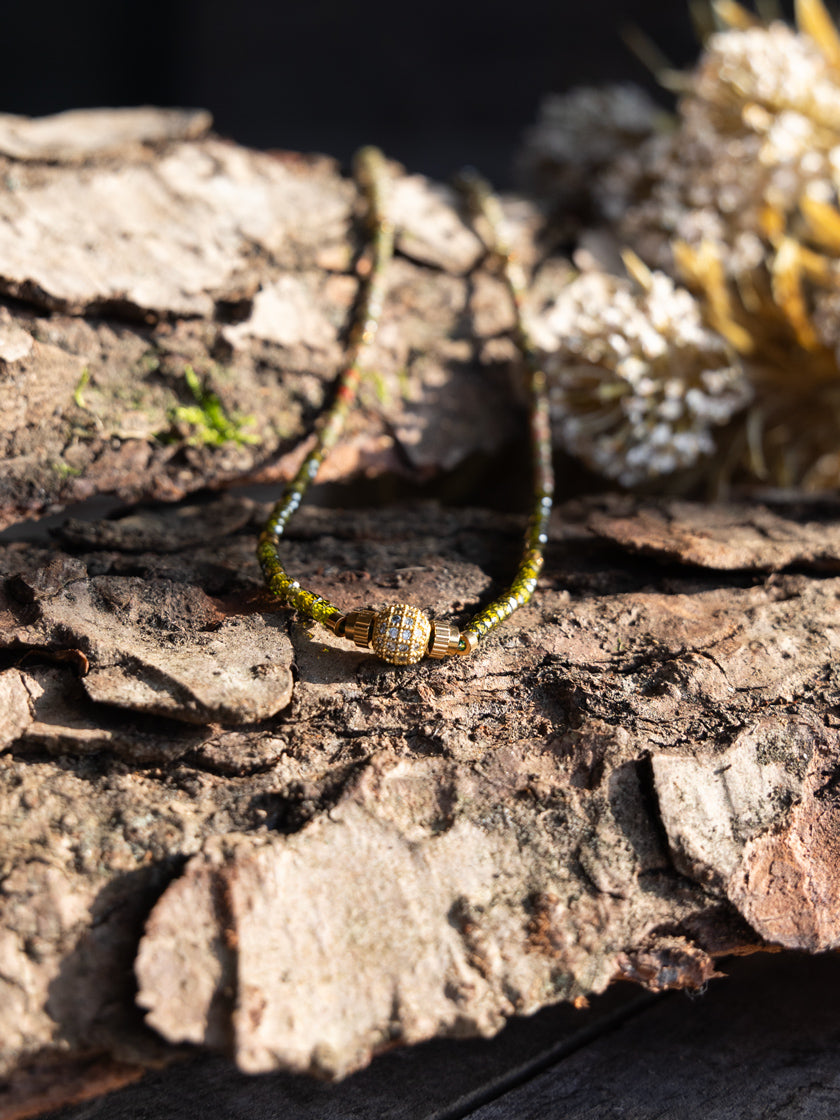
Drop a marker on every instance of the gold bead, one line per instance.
(470, 640)
(445, 639)
(400, 634)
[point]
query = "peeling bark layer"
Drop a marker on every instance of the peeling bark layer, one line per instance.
(633, 777)
(135, 246)
(221, 827)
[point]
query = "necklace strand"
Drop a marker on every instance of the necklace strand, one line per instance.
(401, 634)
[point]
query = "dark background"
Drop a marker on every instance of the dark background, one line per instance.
(437, 83)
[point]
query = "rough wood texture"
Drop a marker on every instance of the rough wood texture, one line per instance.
(134, 245)
(765, 1047)
(730, 1054)
(221, 828)
(636, 778)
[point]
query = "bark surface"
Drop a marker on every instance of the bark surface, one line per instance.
(135, 247)
(222, 827)
(278, 848)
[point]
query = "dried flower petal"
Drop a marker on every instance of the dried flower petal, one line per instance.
(637, 382)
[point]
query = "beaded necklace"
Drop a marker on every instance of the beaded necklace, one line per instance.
(401, 634)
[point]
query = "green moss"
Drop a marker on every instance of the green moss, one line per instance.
(150, 362)
(81, 385)
(380, 386)
(376, 385)
(84, 428)
(210, 424)
(64, 470)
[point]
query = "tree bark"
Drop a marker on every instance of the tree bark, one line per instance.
(307, 856)
(222, 827)
(134, 246)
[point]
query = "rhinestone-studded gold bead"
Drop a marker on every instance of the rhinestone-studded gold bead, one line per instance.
(400, 634)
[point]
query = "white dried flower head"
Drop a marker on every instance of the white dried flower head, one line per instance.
(637, 383)
(580, 132)
(741, 203)
(773, 67)
(758, 132)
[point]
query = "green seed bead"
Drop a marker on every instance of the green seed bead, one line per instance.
(371, 174)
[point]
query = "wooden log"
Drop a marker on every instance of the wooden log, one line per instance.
(220, 827)
(729, 1052)
(135, 247)
(633, 779)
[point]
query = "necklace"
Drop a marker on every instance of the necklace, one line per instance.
(401, 634)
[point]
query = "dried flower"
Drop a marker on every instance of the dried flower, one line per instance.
(637, 382)
(580, 133)
(758, 133)
(740, 203)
